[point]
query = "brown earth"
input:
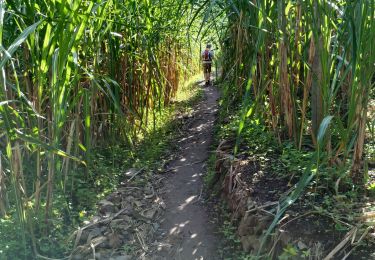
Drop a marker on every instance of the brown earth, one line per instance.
(187, 232)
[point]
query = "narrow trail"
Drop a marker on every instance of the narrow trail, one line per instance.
(187, 232)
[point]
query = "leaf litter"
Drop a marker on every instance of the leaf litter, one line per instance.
(125, 223)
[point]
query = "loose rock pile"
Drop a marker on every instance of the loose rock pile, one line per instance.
(125, 224)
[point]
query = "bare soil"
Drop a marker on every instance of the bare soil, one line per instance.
(186, 229)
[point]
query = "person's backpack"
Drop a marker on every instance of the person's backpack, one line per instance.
(207, 55)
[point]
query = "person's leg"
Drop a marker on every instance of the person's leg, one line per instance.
(204, 72)
(208, 73)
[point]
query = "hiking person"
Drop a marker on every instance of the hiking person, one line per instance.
(207, 57)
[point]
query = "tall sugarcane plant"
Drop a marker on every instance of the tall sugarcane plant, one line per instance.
(305, 68)
(301, 62)
(73, 74)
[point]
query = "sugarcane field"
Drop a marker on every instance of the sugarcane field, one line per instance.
(187, 130)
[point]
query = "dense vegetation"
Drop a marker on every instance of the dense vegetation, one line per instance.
(301, 75)
(77, 76)
(310, 75)
(300, 47)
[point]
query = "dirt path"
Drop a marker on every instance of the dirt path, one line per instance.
(187, 232)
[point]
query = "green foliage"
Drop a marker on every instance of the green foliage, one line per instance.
(293, 160)
(229, 248)
(371, 190)
(75, 200)
(11, 245)
(129, 249)
(299, 72)
(291, 252)
(210, 178)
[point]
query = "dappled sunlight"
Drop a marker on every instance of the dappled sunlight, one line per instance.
(187, 202)
(201, 127)
(183, 224)
(173, 230)
(186, 138)
(177, 228)
(187, 227)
